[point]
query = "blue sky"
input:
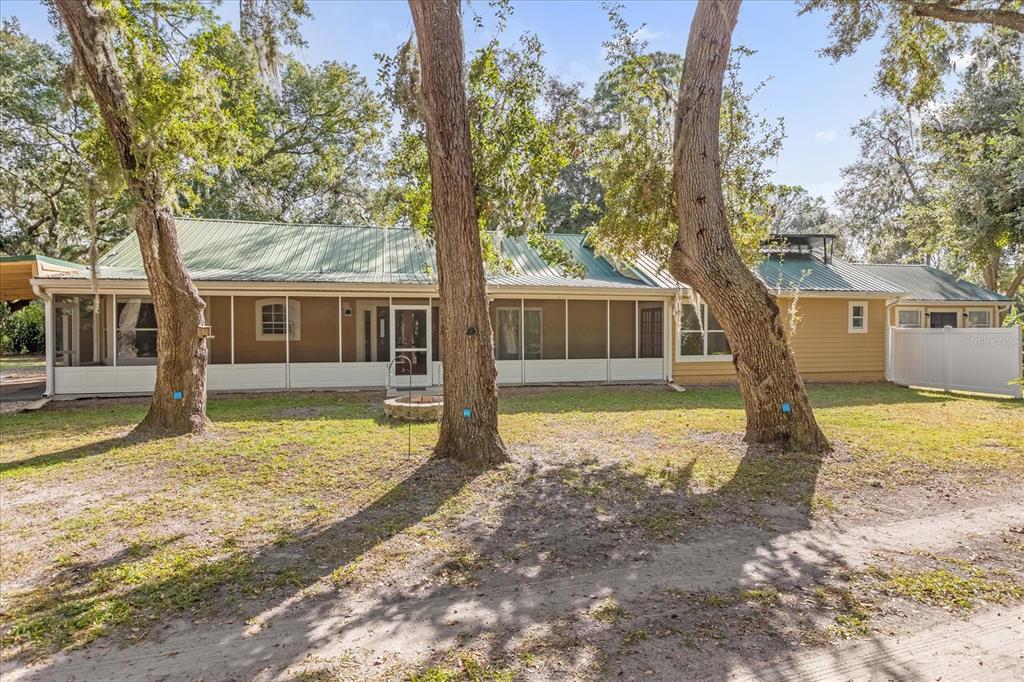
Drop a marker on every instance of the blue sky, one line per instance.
(819, 100)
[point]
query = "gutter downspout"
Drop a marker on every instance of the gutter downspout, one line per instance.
(889, 303)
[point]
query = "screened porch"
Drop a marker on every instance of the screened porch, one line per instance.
(106, 343)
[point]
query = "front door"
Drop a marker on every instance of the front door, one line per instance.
(410, 346)
(940, 320)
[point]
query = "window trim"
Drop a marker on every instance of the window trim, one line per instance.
(293, 319)
(919, 309)
(704, 357)
(967, 317)
(849, 317)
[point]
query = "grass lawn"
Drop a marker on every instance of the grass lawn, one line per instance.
(22, 362)
(317, 494)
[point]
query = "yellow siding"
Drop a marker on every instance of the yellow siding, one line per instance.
(825, 349)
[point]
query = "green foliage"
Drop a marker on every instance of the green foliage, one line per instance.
(976, 148)
(22, 331)
(180, 65)
(883, 187)
(313, 151)
(519, 146)
(633, 153)
(947, 187)
(47, 176)
(917, 51)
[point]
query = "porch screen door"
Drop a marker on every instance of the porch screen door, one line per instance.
(411, 340)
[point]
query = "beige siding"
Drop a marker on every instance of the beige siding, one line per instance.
(825, 349)
(318, 340)
(249, 349)
(218, 313)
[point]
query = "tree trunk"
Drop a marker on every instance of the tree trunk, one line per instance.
(704, 256)
(179, 398)
(469, 423)
(1018, 278)
(947, 10)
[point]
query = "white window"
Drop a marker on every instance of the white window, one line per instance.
(910, 317)
(271, 320)
(508, 341)
(858, 317)
(979, 317)
(701, 337)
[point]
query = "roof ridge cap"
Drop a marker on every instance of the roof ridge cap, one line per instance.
(291, 224)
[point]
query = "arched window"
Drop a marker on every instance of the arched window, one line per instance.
(271, 320)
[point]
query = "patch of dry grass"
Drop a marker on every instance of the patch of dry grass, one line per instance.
(102, 532)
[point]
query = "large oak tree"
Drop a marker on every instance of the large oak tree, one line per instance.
(469, 422)
(705, 258)
(139, 116)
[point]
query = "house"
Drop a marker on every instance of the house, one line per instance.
(333, 306)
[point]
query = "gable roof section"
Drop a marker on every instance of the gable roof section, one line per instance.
(925, 283)
(808, 274)
(233, 250)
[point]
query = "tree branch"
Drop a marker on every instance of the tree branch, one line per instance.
(945, 11)
(1015, 283)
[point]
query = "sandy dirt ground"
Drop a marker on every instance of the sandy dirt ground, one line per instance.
(555, 618)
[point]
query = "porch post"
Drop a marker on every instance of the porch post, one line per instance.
(608, 339)
(287, 343)
(50, 354)
(667, 338)
(340, 356)
(232, 330)
(76, 333)
(97, 335)
(636, 330)
(430, 338)
(113, 329)
(522, 340)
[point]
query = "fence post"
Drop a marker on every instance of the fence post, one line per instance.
(947, 338)
(889, 355)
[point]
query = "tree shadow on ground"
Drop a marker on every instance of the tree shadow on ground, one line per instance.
(570, 530)
(551, 400)
(78, 452)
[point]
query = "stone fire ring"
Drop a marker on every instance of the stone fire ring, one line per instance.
(417, 408)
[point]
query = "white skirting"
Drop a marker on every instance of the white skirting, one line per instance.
(276, 376)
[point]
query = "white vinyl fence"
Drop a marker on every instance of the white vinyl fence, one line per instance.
(983, 360)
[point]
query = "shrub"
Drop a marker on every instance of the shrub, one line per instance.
(22, 331)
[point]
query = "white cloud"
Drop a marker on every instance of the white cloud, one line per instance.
(646, 34)
(825, 136)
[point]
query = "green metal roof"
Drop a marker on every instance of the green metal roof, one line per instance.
(925, 283)
(233, 250)
(808, 274)
(246, 251)
(41, 259)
